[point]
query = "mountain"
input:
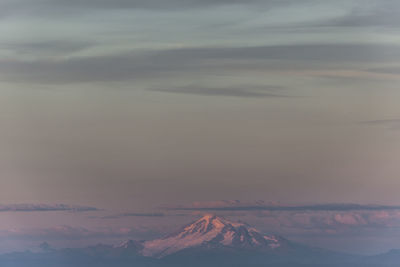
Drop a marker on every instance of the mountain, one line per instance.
(215, 241)
(209, 241)
(130, 245)
(386, 258)
(213, 232)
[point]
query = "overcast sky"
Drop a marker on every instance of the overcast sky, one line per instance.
(130, 105)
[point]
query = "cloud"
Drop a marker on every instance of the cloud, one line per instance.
(245, 91)
(386, 70)
(332, 222)
(40, 6)
(44, 207)
(172, 62)
(304, 220)
(150, 4)
(261, 206)
(49, 47)
(122, 215)
(391, 124)
(76, 8)
(384, 13)
(382, 121)
(335, 52)
(65, 232)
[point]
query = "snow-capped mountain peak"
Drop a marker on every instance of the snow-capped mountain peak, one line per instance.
(130, 244)
(212, 231)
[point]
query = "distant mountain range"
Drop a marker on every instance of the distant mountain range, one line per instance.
(208, 241)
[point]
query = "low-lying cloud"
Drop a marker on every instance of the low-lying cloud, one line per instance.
(134, 214)
(329, 222)
(44, 207)
(66, 232)
(259, 206)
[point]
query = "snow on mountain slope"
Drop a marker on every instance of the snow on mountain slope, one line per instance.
(130, 244)
(215, 232)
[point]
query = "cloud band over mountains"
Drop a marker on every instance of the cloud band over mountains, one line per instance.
(44, 207)
(239, 206)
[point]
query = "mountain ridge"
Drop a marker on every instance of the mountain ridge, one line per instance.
(208, 241)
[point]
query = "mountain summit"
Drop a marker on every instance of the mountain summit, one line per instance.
(213, 232)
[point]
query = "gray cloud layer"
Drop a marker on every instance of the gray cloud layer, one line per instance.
(43, 207)
(392, 124)
(380, 13)
(268, 91)
(362, 13)
(46, 47)
(132, 4)
(65, 232)
(134, 214)
(137, 65)
(238, 206)
(386, 70)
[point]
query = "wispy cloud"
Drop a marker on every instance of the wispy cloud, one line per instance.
(374, 13)
(142, 65)
(49, 47)
(245, 91)
(329, 222)
(44, 207)
(134, 214)
(65, 232)
(259, 206)
(386, 70)
(131, 4)
(392, 124)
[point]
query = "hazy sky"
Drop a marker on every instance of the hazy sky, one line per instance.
(128, 106)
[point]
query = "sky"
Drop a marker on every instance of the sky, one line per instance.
(112, 112)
